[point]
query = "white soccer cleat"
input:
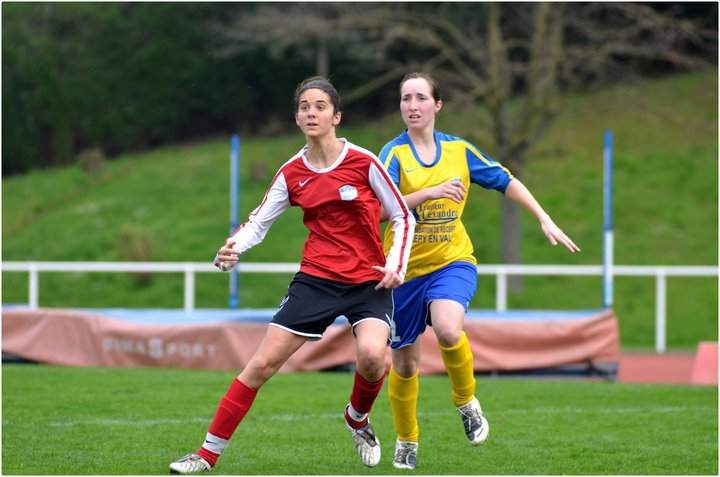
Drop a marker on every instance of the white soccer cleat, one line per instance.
(190, 464)
(405, 454)
(476, 426)
(367, 445)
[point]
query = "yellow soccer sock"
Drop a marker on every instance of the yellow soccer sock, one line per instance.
(458, 361)
(403, 393)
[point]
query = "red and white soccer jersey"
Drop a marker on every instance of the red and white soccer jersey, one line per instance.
(341, 206)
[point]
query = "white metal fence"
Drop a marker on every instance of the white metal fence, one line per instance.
(501, 272)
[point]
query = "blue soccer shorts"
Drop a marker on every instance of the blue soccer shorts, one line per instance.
(456, 281)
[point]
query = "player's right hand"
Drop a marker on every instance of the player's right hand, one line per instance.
(226, 257)
(453, 190)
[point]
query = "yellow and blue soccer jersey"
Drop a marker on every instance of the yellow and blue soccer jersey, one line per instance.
(440, 236)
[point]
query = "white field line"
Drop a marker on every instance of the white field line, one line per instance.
(338, 415)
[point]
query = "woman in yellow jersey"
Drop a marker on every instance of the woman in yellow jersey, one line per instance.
(433, 171)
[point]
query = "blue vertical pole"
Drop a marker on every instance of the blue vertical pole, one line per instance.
(607, 221)
(234, 300)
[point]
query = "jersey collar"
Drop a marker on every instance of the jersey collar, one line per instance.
(338, 161)
(438, 152)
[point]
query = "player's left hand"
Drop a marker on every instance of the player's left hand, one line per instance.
(391, 278)
(557, 236)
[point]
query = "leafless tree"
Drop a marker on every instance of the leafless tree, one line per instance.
(509, 60)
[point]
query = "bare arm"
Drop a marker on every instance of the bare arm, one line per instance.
(518, 193)
(454, 190)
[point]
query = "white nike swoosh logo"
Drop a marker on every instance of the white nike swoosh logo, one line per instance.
(302, 183)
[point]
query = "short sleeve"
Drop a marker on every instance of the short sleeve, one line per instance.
(391, 163)
(486, 172)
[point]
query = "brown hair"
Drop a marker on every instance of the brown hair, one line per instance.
(324, 85)
(434, 86)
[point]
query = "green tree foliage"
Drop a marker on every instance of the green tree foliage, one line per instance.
(128, 76)
(120, 76)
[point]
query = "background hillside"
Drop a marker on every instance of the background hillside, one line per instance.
(176, 199)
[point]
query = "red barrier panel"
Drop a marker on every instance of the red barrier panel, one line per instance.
(705, 367)
(75, 338)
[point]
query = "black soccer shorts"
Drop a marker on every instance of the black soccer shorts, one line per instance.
(312, 304)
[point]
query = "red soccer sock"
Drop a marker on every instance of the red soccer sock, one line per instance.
(233, 407)
(210, 457)
(362, 398)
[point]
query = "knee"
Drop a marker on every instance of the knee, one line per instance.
(405, 368)
(448, 337)
(371, 362)
(261, 368)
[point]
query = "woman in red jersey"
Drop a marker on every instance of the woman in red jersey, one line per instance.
(341, 188)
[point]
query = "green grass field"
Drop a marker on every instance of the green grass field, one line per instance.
(135, 421)
(666, 171)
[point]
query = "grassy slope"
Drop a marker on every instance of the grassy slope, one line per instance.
(665, 211)
(149, 417)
